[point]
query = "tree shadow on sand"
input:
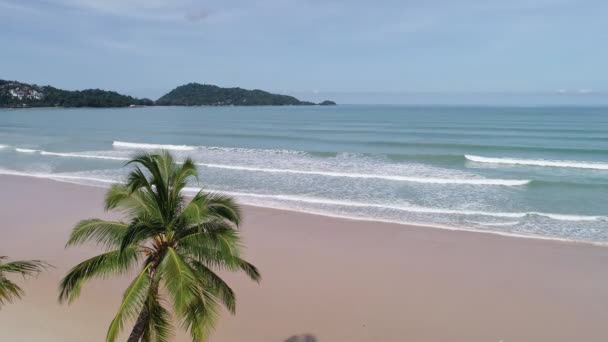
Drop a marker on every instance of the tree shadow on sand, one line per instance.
(302, 338)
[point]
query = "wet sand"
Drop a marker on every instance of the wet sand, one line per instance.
(326, 279)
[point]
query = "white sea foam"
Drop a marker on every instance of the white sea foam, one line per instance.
(55, 176)
(496, 224)
(70, 155)
(327, 201)
(539, 162)
(408, 208)
(147, 146)
(80, 155)
(144, 146)
(472, 181)
(25, 150)
(3, 146)
(326, 207)
(426, 180)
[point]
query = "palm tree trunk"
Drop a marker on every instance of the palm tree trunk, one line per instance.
(140, 325)
(144, 315)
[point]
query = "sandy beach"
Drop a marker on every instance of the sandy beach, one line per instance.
(326, 279)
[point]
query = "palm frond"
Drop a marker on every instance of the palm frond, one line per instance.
(187, 170)
(179, 279)
(159, 327)
(200, 316)
(162, 170)
(213, 283)
(224, 206)
(100, 266)
(24, 267)
(205, 207)
(133, 301)
(137, 179)
(117, 194)
(220, 244)
(219, 248)
(192, 214)
(152, 163)
(139, 232)
(218, 205)
(107, 234)
(164, 162)
(138, 203)
(180, 177)
(9, 291)
(205, 224)
(251, 271)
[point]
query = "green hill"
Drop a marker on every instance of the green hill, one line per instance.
(17, 94)
(196, 94)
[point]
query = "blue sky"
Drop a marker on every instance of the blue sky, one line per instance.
(374, 51)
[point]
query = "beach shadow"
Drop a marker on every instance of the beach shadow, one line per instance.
(302, 338)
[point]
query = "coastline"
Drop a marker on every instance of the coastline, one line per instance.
(148, 106)
(329, 278)
(406, 225)
(422, 225)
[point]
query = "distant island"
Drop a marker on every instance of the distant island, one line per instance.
(327, 103)
(195, 94)
(15, 94)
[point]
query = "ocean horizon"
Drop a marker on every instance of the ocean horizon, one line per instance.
(537, 171)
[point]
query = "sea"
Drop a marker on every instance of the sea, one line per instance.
(538, 172)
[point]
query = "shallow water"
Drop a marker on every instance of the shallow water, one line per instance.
(531, 171)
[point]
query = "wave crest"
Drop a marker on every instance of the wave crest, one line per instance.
(144, 146)
(539, 162)
(147, 146)
(466, 181)
(25, 150)
(399, 178)
(79, 155)
(409, 208)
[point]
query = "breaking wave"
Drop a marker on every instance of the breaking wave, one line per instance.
(328, 201)
(471, 181)
(400, 178)
(410, 208)
(143, 146)
(25, 150)
(146, 146)
(79, 155)
(539, 162)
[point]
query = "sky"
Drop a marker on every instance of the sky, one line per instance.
(357, 51)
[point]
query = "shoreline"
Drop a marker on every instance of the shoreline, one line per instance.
(327, 278)
(412, 105)
(409, 225)
(148, 106)
(431, 226)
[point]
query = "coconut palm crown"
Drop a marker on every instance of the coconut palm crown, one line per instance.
(9, 290)
(175, 244)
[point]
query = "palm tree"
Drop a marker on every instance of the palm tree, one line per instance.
(176, 245)
(9, 291)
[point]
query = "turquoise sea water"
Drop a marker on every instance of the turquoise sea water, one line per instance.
(526, 171)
